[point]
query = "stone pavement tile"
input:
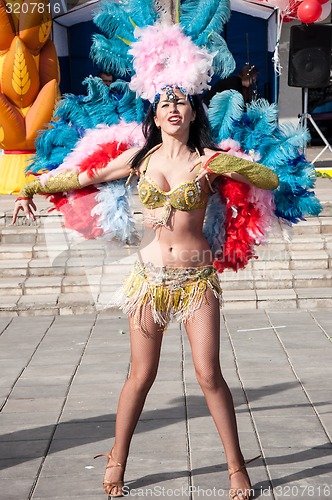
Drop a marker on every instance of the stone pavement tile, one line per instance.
(57, 357)
(74, 496)
(155, 430)
(20, 419)
(298, 457)
(95, 374)
(294, 319)
(45, 380)
(271, 437)
(89, 415)
(279, 425)
(64, 486)
(172, 387)
(275, 395)
(4, 322)
(315, 378)
(326, 420)
(154, 486)
(14, 468)
(320, 398)
(45, 371)
(107, 389)
(324, 319)
(205, 426)
(296, 411)
(89, 401)
(25, 431)
(165, 401)
(264, 373)
(212, 481)
(195, 411)
(107, 349)
(302, 484)
(84, 430)
(159, 441)
(33, 335)
(17, 491)
(75, 465)
(84, 445)
(33, 405)
(23, 449)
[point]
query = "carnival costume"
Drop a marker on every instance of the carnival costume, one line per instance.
(162, 45)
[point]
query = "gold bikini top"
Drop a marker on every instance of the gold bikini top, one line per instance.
(186, 196)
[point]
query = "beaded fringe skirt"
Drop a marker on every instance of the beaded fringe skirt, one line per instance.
(171, 292)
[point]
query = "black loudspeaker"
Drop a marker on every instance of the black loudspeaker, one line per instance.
(310, 56)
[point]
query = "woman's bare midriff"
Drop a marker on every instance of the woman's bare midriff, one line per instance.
(179, 244)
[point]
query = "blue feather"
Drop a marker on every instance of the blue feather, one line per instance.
(115, 215)
(226, 108)
(143, 12)
(214, 223)
(223, 61)
(52, 146)
(113, 19)
(111, 55)
(200, 17)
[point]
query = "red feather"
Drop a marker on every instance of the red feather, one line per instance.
(100, 158)
(241, 216)
(76, 209)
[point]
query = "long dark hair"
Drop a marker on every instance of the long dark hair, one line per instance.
(199, 133)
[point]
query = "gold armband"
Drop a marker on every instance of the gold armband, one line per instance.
(65, 181)
(257, 174)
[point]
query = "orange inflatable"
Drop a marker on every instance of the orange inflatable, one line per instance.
(29, 77)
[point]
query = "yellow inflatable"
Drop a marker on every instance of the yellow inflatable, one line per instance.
(29, 77)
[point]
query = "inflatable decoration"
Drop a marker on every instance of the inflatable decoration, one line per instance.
(29, 77)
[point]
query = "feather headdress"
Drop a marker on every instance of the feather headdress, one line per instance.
(165, 56)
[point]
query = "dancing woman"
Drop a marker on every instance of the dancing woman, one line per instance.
(174, 275)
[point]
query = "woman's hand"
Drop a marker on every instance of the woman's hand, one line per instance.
(26, 205)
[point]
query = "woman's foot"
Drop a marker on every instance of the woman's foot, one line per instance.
(240, 483)
(113, 479)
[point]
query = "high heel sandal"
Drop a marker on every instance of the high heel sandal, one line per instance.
(239, 492)
(110, 485)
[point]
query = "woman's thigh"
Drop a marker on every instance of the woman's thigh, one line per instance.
(203, 331)
(145, 343)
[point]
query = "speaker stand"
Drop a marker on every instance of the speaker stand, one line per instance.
(304, 117)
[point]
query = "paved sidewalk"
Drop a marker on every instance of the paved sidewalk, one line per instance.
(61, 377)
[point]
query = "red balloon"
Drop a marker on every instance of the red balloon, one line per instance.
(323, 1)
(309, 11)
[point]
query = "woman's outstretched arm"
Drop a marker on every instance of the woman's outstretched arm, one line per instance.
(241, 169)
(69, 180)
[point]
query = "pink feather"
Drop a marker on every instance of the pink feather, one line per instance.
(129, 133)
(164, 55)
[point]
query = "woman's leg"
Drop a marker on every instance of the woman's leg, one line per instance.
(204, 336)
(145, 345)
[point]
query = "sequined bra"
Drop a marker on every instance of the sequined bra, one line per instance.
(186, 196)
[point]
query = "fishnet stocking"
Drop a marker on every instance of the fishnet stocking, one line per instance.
(145, 353)
(145, 341)
(203, 332)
